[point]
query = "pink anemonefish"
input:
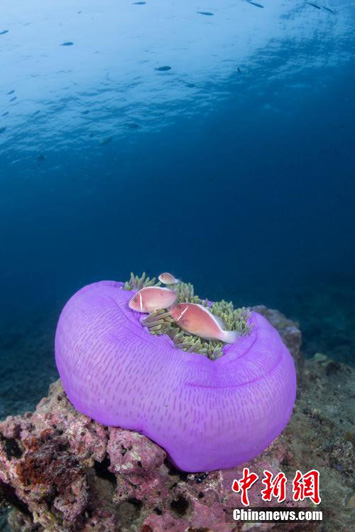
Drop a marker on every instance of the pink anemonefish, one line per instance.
(152, 298)
(197, 320)
(168, 278)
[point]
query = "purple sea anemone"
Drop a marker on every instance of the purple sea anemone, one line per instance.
(206, 414)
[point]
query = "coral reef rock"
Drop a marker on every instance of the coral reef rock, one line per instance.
(61, 471)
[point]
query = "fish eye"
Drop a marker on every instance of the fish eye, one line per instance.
(135, 299)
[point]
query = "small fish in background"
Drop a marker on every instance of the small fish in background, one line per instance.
(163, 68)
(4, 32)
(106, 141)
(68, 43)
(329, 10)
(152, 298)
(132, 125)
(206, 13)
(197, 320)
(255, 4)
(40, 159)
(168, 278)
(320, 6)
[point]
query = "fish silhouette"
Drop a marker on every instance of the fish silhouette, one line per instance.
(163, 68)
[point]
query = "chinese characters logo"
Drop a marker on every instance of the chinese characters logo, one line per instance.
(303, 486)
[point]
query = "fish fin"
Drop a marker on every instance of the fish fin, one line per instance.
(229, 337)
(219, 321)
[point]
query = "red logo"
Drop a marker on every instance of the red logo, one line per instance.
(303, 486)
(275, 487)
(306, 486)
(244, 484)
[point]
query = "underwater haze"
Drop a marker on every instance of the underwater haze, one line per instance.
(214, 139)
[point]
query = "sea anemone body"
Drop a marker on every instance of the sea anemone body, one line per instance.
(207, 414)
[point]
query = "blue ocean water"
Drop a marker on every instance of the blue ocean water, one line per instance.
(211, 139)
